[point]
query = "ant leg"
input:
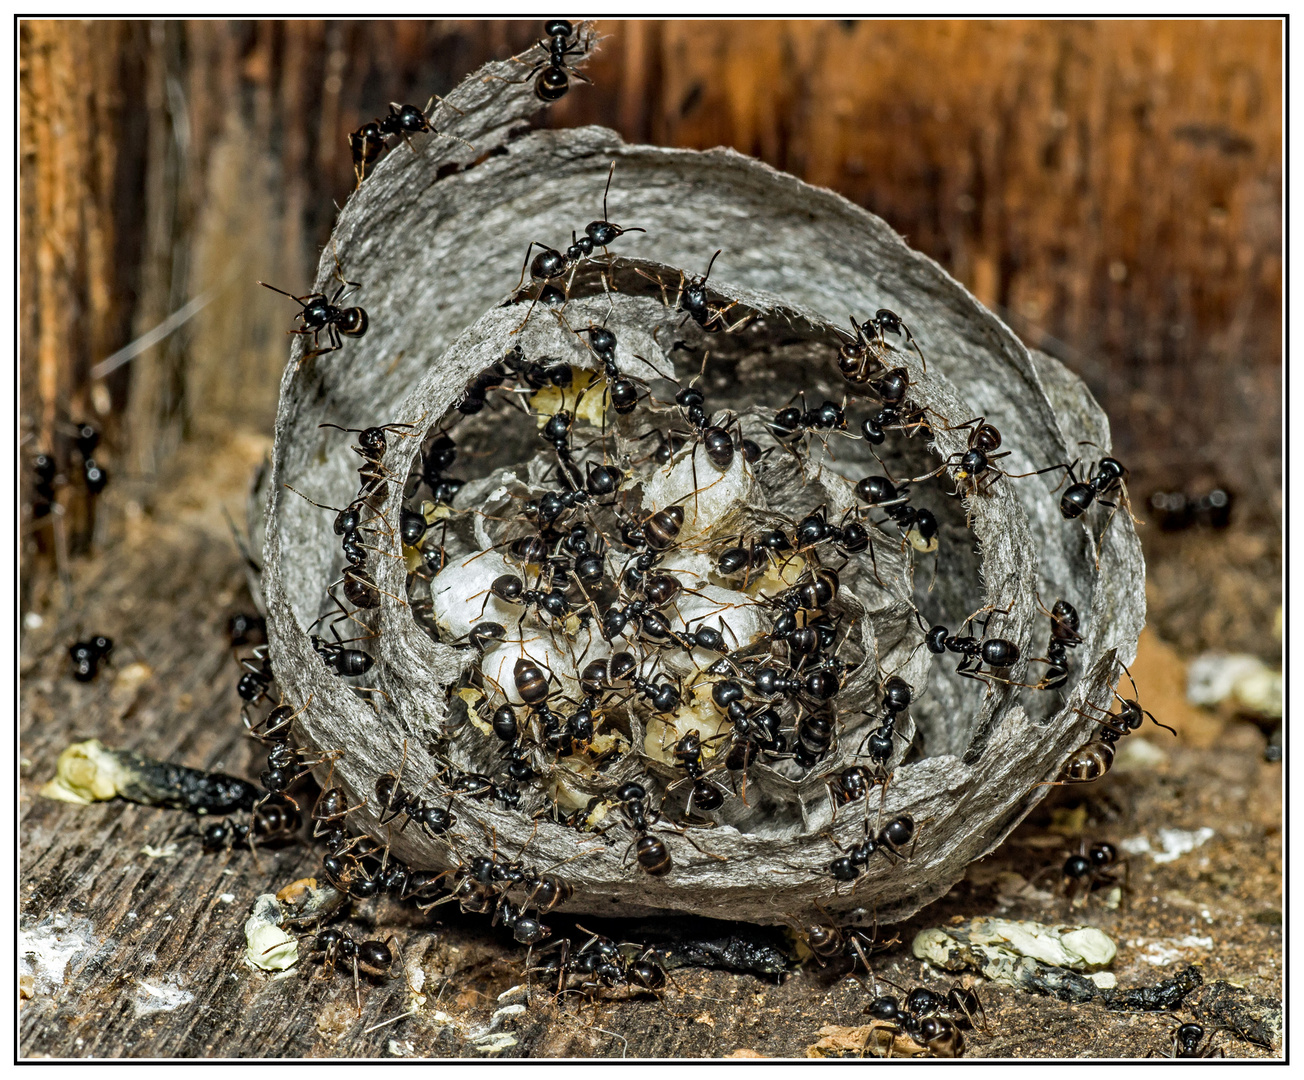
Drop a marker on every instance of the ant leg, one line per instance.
(528, 251)
(333, 336)
(519, 82)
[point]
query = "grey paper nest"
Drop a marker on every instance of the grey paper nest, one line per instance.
(436, 238)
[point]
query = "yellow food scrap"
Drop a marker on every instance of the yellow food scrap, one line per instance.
(779, 574)
(699, 713)
(585, 398)
(87, 772)
(412, 557)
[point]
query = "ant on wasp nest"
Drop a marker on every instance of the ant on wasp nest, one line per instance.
(663, 664)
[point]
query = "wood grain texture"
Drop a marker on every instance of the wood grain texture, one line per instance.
(164, 923)
(1113, 189)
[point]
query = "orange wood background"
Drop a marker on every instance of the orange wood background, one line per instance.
(1113, 189)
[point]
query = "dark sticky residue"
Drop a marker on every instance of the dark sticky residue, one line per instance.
(1162, 997)
(160, 783)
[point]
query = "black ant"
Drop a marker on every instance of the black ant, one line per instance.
(331, 808)
(658, 531)
(477, 390)
(550, 265)
(743, 560)
(537, 374)
(806, 638)
(276, 726)
(897, 695)
(855, 356)
(1064, 635)
(1186, 1043)
(320, 314)
(600, 964)
(601, 233)
(895, 835)
(345, 662)
(706, 794)
(554, 73)
(930, 1019)
(510, 589)
(850, 536)
(47, 474)
(664, 697)
(335, 949)
(693, 299)
(999, 654)
(756, 730)
(792, 423)
(436, 460)
(974, 468)
(372, 441)
(715, 439)
(394, 800)
(532, 683)
(86, 656)
(525, 928)
(815, 732)
(372, 446)
(271, 823)
(404, 120)
(642, 614)
(918, 525)
(1085, 765)
(1130, 716)
(1105, 477)
(621, 390)
(651, 853)
(895, 415)
(285, 763)
(350, 522)
(256, 680)
(852, 784)
(1093, 868)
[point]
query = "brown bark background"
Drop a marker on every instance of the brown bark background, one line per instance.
(1112, 189)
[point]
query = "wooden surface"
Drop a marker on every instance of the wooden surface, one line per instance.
(138, 929)
(1112, 189)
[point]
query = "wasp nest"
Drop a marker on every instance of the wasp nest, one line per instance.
(651, 552)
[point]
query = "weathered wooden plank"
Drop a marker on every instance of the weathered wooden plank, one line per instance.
(84, 864)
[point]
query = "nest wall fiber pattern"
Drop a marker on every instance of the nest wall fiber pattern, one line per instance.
(436, 238)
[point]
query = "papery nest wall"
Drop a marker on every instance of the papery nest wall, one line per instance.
(436, 239)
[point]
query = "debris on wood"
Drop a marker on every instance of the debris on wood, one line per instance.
(1162, 997)
(1244, 1014)
(268, 947)
(308, 900)
(1025, 955)
(878, 1038)
(90, 772)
